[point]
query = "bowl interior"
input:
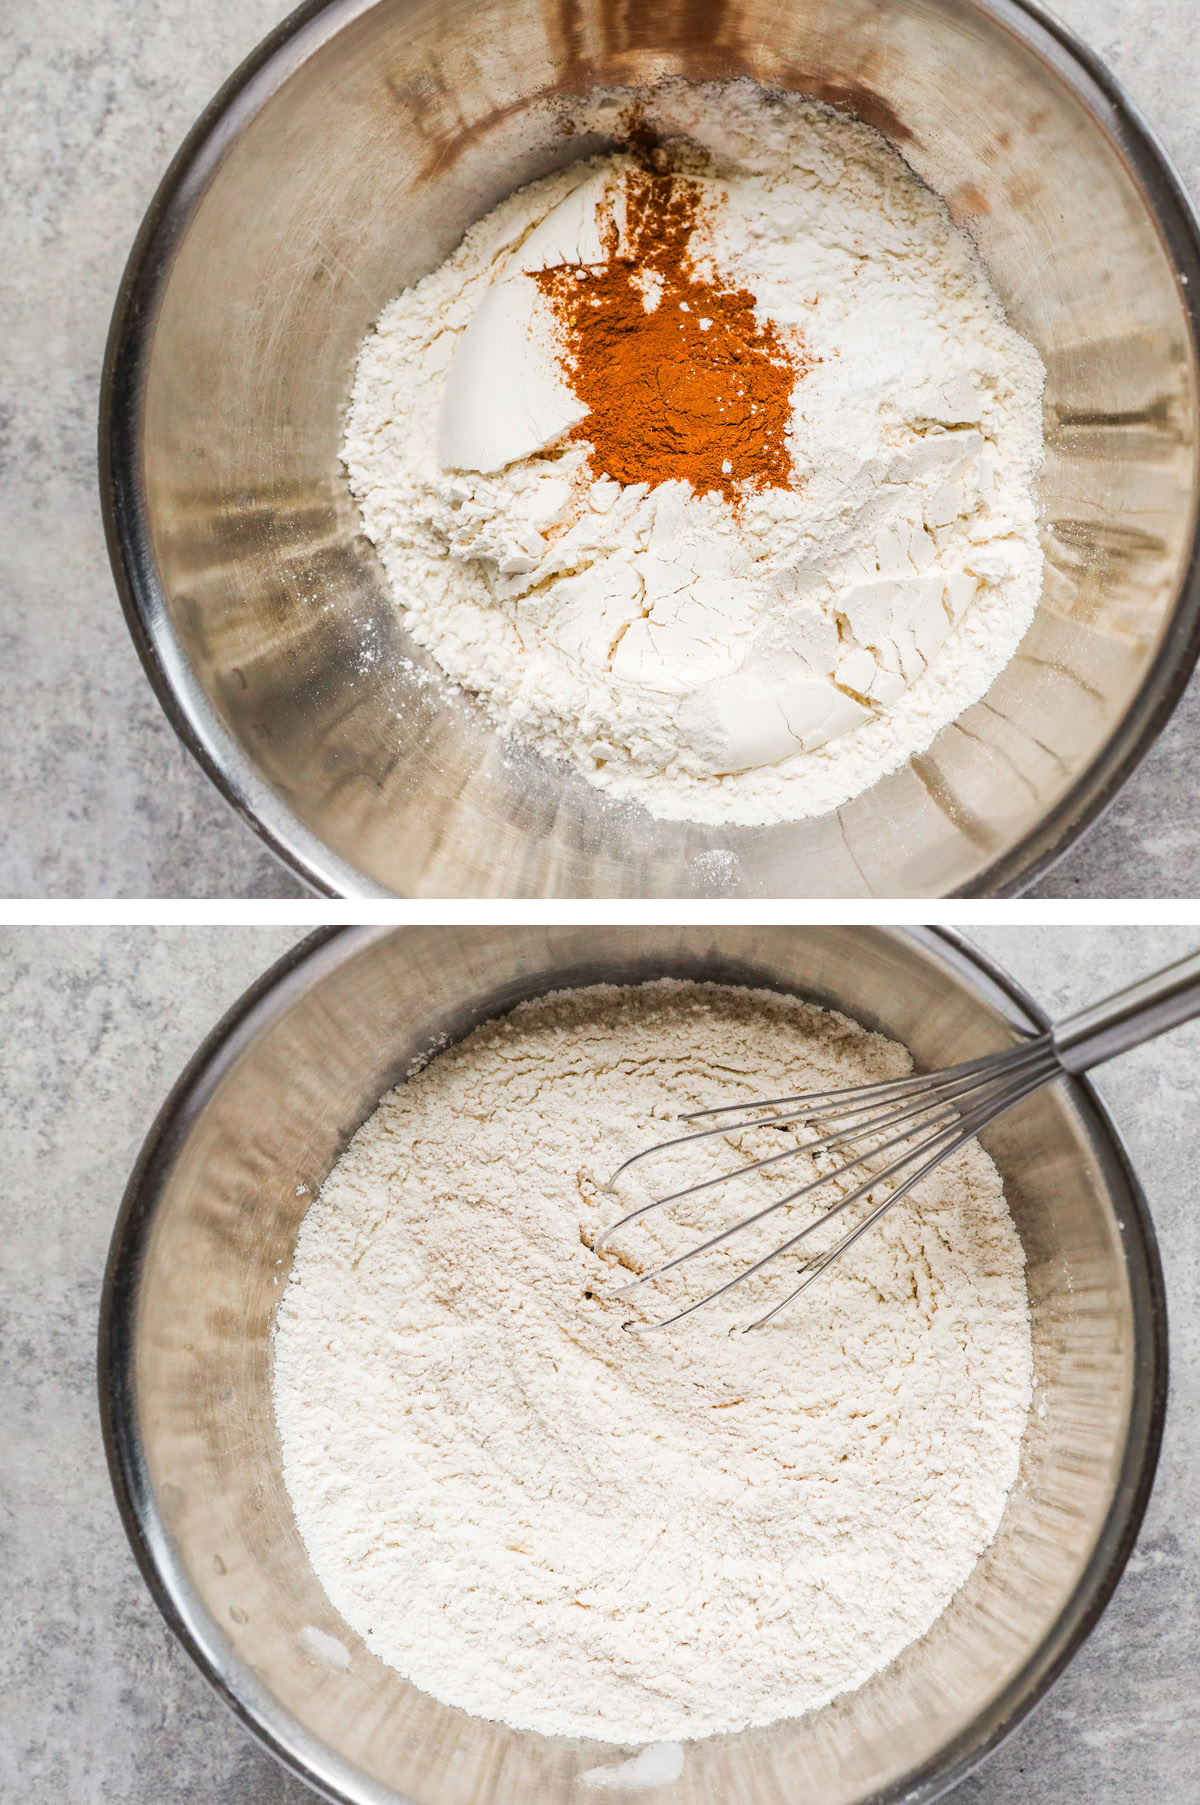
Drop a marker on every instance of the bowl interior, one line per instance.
(204, 1250)
(349, 164)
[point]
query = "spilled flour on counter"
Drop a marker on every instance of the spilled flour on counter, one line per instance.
(547, 1521)
(765, 634)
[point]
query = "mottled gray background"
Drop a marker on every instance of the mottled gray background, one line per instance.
(94, 98)
(97, 1703)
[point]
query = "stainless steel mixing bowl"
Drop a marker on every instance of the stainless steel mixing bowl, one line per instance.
(203, 1248)
(346, 159)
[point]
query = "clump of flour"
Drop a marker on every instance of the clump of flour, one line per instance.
(547, 1521)
(669, 646)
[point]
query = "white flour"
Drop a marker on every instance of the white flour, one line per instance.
(715, 669)
(547, 1521)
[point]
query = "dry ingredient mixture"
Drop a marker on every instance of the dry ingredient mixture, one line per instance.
(708, 464)
(547, 1521)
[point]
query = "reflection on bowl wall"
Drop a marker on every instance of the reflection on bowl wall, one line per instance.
(347, 160)
(202, 1253)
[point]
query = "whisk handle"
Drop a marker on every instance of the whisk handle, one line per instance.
(1147, 1009)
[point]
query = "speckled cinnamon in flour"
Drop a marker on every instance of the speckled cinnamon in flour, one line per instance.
(547, 1521)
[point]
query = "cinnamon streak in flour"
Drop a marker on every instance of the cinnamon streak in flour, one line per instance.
(682, 380)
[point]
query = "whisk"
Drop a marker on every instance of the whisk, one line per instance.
(910, 1124)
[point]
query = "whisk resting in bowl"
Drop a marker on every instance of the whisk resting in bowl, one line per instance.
(895, 1133)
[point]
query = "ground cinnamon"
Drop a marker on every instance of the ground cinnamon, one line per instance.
(681, 379)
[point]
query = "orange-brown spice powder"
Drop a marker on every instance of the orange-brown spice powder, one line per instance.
(697, 389)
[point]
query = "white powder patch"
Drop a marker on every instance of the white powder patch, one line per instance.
(325, 1650)
(659, 1765)
(717, 868)
(711, 668)
(547, 1521)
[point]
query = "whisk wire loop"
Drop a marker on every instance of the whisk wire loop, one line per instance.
(934, 1115)
(932, 1093)
(826, 1103)
(817, 1267)
(857, 1093)
(946, 1113)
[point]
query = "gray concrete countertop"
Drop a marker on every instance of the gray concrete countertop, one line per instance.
(102, 801)
(99, 1704)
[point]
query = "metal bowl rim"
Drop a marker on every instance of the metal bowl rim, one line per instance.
(127, 360)
(283, 1735)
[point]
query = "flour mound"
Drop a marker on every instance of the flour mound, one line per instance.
(544, 1520)
(725, 664)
